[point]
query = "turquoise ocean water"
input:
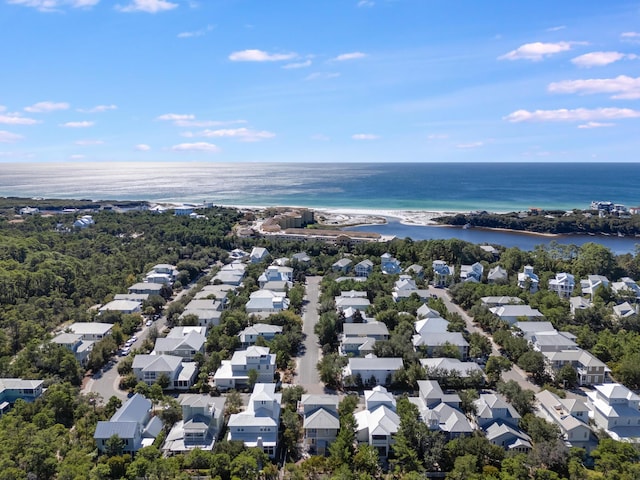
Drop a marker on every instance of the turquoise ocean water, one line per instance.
(495, 187)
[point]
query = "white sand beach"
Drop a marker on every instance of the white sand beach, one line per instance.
(349, 216)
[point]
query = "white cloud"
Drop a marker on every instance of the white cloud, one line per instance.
(437, 136)
(349, 56)
(596, 125)
(87, 143)
(172, 117)
(196, 147)
(632, 37)
(576, 115)
(306, 63)
(243, 134)
(54, 5)
(98, 109)
(622, 87)
(206, 123)
(366, 3)
(538, 50)
(3, 108)
(77, 157)
(599, 59)
(322, 75)
(364, 136)
(260, 56)
(196, 33)
(16, 119)
(46, 107)
(83, 124)
(320, 137)
(142, 147)
(556, 29)
(8, 137)
(470, 145)
(148, 6)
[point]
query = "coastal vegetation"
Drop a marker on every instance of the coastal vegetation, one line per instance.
(549, 221)
(52, 274)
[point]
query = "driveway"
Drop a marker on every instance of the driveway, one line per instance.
(306, 372)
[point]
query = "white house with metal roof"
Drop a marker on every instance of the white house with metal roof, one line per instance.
(234, 373)
(616, 409)
(373, 370)
(257, 426)
(150, 368)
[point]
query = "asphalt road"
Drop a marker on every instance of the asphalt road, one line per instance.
(515, 373)
(105, 382)
(307, 374)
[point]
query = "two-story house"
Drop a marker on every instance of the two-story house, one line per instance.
(320, 421)
(151, 368)
(563, 284)
(471, 273)
(250, 334)
(378, 423)
(616, 409)
(257, 426)
(442, 273)
(234, 373)
(389, 264)
(132, 423)
(364, 268)
(527, 280)
(570, 415)
(201, 424)
(185, 345)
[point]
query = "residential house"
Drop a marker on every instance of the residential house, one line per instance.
(589, 369)
(616, 409)
(258, 254)
(266, 301)
(342, 266)
(433, 344)
(626, 287)
(170, 272)
(416, 270)
(132, 423)
(321, 423)
(579, 303)
(442, 273)
(146, 288)
(471, 273)
(301, 257)
(500, 301)
(492, 250)
(137, 297)
(431, 324)
(440, 411)
(592, 283)
(90, 330)
(372, 370)
(563, 284)
(232, 277)
(389, 264)
(122, 306)
(497, 275)
(492, 408)
(528, 280)
(207, 310)
(379, 422)
(570, 415)
(184, 346)
(363, 268)
(274, 273)
(74, 342)
(234, 373)
(238, 254)
(405, 286)
(448, 366)
(358, 339)
(200, 427)
(625, 310)
(529, 328)
(250, 334)
(508, 437)
(215, 292)
(257, 426)
(84, 222)
(151, 368)
(425, 311)
(12, 389)
(514, 313)
(359, 302)
(553, 342)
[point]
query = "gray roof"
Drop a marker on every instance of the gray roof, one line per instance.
(369, 363)
(365, 329)
(90, 328)
(157, 363)
(109, 429)
(134, 410)
(321, 418)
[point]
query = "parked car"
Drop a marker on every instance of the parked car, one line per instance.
(125, 351)
(149, 323)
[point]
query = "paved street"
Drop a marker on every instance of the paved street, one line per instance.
(105, 383)
(307, 374)
(515, 373)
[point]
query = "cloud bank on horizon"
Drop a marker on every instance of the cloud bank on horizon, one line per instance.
(340, 80)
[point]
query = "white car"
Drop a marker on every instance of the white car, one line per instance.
(125, 351)
(149, 323)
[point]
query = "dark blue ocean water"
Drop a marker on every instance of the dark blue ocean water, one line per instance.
(497, 187)
(402, 186)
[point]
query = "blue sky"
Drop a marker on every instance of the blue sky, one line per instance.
(319, 81)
